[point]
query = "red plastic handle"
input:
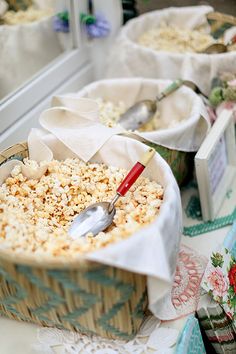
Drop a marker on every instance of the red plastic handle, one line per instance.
(233, 40)
(131, 177)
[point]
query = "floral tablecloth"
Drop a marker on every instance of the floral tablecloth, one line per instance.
(217, 240)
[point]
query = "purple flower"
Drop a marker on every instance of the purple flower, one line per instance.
(60, 25)
(101, 28)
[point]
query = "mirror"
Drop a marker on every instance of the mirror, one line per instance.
(33, 33)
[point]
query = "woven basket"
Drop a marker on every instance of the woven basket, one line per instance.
(180, 162)
(87, 297)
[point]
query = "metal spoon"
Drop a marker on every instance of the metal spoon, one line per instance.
(143, 111)
(196, 89)
(97, 217)
(219, 47)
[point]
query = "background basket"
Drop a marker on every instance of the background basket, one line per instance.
(180, 162)
(175, 144)
(91, 298)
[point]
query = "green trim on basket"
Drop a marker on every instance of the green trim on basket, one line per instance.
(88, 299)
(54, 301)
(20, 292)
(126, 291)
(12, 300)
(138, 311)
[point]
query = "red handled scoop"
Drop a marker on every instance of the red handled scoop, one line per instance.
(97, 217)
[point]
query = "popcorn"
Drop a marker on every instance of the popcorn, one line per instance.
(176, 40)
(35, 214)
(27, 16)
(16, 171)
(109, 114)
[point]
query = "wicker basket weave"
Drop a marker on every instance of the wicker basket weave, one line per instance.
(86, 297)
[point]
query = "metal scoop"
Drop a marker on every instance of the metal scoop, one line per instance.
(219, 47)
(142, 112)
(97, 217)
(196, 89)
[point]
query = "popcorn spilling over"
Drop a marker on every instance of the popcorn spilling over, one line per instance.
(174, 39)
(109, 114)
(35, 214)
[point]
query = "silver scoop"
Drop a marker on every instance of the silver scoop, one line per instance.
(97, 217)
(196, 89)
(142, 112)
(217, 48)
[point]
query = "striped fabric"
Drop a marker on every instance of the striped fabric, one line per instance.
(218, 327)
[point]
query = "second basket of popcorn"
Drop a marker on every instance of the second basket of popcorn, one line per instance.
(171, 43)
(177, 129)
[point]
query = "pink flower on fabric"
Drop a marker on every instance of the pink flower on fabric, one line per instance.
(216, 281)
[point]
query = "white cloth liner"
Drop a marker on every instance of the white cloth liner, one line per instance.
(127, 58)
(182, 104)
(3, 7)
(153, 249)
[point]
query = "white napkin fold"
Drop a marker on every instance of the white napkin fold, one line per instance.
(82, 135)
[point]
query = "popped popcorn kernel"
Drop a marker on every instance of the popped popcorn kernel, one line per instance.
(175, 39)
(110, 117)
(35, 215)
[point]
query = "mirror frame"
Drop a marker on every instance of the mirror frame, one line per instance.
(41, 85)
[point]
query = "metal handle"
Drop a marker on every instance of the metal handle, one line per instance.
(221, 17)
(169, 89)
(135, 172)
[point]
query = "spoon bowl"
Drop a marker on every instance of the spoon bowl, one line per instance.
(97, 217)
(218, 48)
(139, 114)
(142, 112)
(92, 219)
(215, 48)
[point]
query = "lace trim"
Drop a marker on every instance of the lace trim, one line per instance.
(185, 292)
(151, 338)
